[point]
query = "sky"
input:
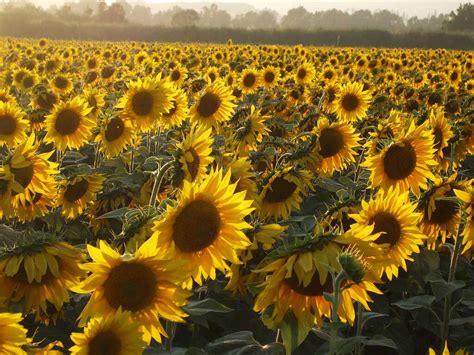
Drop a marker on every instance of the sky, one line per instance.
(420, 8)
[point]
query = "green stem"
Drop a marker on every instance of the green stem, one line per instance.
(359, 326)
(159, 178)
(335, 307)
(170, 328)
(447, 301)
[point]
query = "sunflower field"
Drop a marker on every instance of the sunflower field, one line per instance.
(235, 199)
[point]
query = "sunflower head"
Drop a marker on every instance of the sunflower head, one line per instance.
(352, 102)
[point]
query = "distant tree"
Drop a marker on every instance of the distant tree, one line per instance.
(212, 16)
(265, 19)
(297, 18)
(462, 19)
(185, 18)
(115, 13)
(141, 14)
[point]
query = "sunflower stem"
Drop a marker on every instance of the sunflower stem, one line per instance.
(277, 338)
(335, 307)
(170, 328)
(447, 301)
(157, 184)
(359, 326)
(131, 161)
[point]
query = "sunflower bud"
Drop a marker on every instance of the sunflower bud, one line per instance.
(352, 264)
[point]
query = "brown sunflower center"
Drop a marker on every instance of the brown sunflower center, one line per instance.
(280, 190)
(438, 138)
(7, 124)
(193, 166)
(114, 129)
(328, 74)
(454, 76)
(23, 175)
(107, 72)
(208, 105)
(67, 122)
(350, 102)
(105, 342)
(142, 103)
(399, 161)
(314, 288)
(175, 75)
(249, 80)
(197, 226)
(388, 225)
(331, 94)
(269, 77)
(75, 191)
(331, 142)
(443, 212)
(131, 286)
(60, 82)
(302, 73)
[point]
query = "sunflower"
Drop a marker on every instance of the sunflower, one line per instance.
(305, 73)
(31, 172)
(194, 153)
(213, 105)
(331, 91)
(12, 125)
(12, 334)
(145, 101)
(30, 79)
(39, 271)
(352, 102)
(270, 76)
(178, 75)
(441, 131)
(61, 84)
(40, 204)
(282, 192)
(406, 162)
(298, 277)
(394, 222)
(76, 193)
(139, 283)
(252, 131)
(5, 96)
(68, 126)
(95, 100)
(116, 134)
(178, 112)
(114, 334)
(249, 81)
(336, 143)
(205, 228)
(241, 174)
(467, 197)
(440, 216)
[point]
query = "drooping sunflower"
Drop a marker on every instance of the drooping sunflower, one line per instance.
(12, 125)
(31, 171)
(194, 153)
(352, 102)
(213, 105)
(336, 143)
(305, 73)
(205, 228)
(139, 283)
(299, 276)
(12, 334)
(241, 173)
(251, 132)
(177, 113)
(39, 271)
(68, 126)
(467, 197)
(116, 134)
(406, 163)
(395, 229)
(79, 192)
(113, 334)
(270, 76)
(145, 101)
(441, 130)
(440, 216)
(282, 192)
(249, 81)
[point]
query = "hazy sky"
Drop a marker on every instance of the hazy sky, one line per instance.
(419, 8)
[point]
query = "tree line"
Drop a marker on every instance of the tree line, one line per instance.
(122, 12)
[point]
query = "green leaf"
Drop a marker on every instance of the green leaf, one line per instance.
(462, 321)
(380, 340)
(415, 302)
(115, 214)
(347, 345)
(366, 316)
(241, 343)
(207, 305)
(442, 288)
(294, 331)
